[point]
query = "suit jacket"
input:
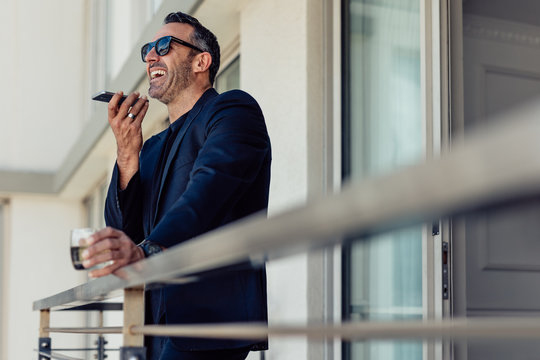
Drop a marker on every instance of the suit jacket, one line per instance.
(217, 171)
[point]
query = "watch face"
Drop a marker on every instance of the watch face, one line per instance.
(150, 248)
(153, 248)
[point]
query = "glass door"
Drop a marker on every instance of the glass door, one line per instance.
(383, 131)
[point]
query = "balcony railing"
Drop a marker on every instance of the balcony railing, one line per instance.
(486, 170)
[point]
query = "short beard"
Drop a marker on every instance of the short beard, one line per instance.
(181, 81)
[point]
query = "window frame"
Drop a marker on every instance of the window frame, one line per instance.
(434, 71)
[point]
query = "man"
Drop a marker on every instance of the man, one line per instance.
(209, 168)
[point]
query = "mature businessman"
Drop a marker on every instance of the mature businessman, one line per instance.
(211, 166)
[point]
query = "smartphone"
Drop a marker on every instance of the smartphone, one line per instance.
(106, 96)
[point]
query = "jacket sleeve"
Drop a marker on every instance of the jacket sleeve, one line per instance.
(231, 158)
(123, 208)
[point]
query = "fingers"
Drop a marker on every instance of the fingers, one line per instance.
(113, 104)
(116, 110)
(102, 245)
(104, 234)
(99, 253)
(105, 256)
(107, 270)
(138, 107)
(131, 105)
(128, 103)
(110, 245)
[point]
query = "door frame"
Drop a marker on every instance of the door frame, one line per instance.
(436, 90)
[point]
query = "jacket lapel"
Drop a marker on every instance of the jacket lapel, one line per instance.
(193, 113)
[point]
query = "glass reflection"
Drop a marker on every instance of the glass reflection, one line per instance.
(384, 133)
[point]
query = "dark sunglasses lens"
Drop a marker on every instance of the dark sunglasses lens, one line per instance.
(145, 50)
(162, 45)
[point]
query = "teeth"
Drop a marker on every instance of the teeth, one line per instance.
(156, 73)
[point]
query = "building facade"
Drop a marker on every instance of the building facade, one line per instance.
(350, 89)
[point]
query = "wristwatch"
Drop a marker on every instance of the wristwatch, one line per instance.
(149, 248)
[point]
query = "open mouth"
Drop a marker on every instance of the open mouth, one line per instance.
(157, 74)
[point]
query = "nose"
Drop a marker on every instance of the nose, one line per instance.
(152, 55)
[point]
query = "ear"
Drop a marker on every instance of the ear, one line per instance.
(202, 62)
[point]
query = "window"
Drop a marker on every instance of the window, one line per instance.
(382, 131)
(126, 20)
(94, 206)
(115, 29)
(229, 78)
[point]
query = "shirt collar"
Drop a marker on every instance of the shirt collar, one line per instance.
(175, 126)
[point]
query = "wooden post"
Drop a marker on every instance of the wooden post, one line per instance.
(133, 315)
(44, 323)
(44, 344)
(133, 344)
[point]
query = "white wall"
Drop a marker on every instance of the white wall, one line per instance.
(39, 264)
(41, 97)
(43, 82)
(273, 70)
(273, 48)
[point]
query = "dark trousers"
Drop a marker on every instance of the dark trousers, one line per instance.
(161, 348)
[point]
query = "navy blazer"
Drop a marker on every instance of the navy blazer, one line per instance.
(217, 171)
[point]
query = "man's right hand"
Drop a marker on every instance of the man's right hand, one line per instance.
(126, 126)
(110, 244)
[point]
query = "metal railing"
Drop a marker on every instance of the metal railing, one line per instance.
(484, 171)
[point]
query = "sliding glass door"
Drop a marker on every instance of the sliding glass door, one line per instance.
(383, 131)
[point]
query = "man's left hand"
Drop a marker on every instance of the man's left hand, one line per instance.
(110, 244)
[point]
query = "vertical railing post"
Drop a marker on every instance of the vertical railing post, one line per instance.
(44, 346)
(133, 344)
(101, 342)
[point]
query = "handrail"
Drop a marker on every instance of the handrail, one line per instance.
(86, 330)
(482, 172)
(506, 328)
(486, 171)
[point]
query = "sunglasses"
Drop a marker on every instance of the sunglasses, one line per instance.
(163, 45)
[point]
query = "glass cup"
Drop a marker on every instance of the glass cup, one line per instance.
(78, 244)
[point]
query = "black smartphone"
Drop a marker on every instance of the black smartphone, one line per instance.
(106, 96)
